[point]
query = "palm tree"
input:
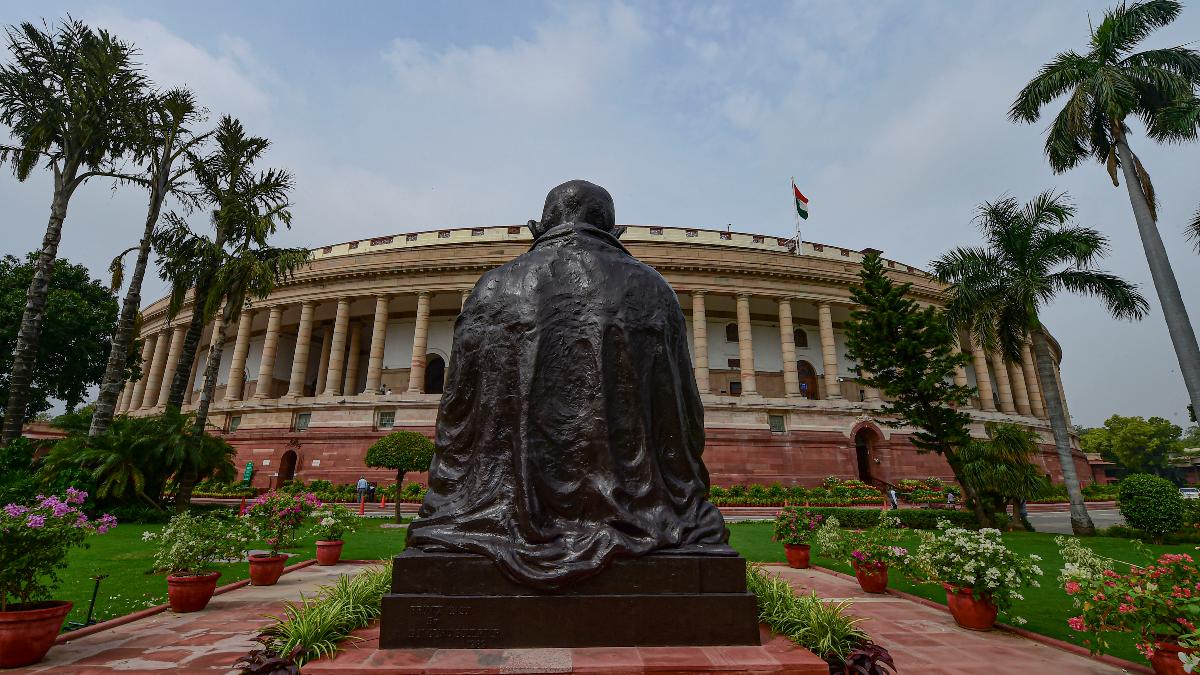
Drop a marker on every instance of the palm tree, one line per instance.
(169, 135)
(1000, 467)
(247, 208)
(1033, 253)
(72, 98)
(1104, 87)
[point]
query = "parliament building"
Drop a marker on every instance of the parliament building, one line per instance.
(356, 345)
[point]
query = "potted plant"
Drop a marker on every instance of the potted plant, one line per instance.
(35, 542)
(795, 529)
(870, 552)
(275, 517)
(1158, 602)
(981, 575)
(187, 549)
(332, 522)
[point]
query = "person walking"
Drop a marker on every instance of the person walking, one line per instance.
(362, 487)
(891, 494)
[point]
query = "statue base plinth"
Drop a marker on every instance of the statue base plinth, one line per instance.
(460, 600)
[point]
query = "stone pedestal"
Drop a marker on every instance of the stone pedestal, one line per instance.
(457, 600)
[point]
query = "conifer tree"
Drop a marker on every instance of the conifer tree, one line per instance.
(906, 352)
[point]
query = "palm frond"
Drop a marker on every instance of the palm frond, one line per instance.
(1127, 24)
(1193, 230)
(1065, 73)
(1122, 299)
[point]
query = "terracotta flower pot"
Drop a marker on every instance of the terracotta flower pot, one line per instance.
(191, 593)
(969, 611)
(329, 552)
(1165, 660)
(871, 578)
(797, 555)
(265, 569)
(27, 634)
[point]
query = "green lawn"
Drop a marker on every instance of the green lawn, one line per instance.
(1046, 609)
(131, 585)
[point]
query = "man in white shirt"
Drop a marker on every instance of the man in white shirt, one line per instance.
(362, 487)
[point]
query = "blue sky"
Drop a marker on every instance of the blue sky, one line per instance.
(891, 115)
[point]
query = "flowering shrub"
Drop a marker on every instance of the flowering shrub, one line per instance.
(1160, 602)
(333, 521)
(190, 544)
(276, 517)
(796, 526)
(878, 546)
(35, 540)
(978, 560)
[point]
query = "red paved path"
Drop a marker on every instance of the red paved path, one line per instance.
(922, 640)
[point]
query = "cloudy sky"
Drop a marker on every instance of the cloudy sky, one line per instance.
(891, 115)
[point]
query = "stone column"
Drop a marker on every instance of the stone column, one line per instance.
(266, 365)
(787, 344)
(139, 387)
(337, 351)
(1003, 385)
(323, 362)
(351, 387)
(378, 342)
(416, 374)
(154, 381)
(833, 388)
(746, 345)
(126, 395)
(164, 390)
(303, 345)
(191, 383)
(983, 381)
(960, 373)
(1036, 404)
(237, 365)
(1016, 379)
(870, 394)
(700, 342)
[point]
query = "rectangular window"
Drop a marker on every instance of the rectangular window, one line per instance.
(692, 233)
(327, 249)
(735, 388)
(410, 237)
(443, 234)
(301, 423)
(758, 239)
(656, 230)
(380, 241)
(776, 422)
(514, 229)
(727, 236)
(353, 245)
(818, 247)
(735, 363)
(387, 419)
(235, 421)
(477, 232)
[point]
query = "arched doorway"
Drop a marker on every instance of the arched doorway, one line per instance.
(287, 467)
(808, 379)
(864, 442)
(435, 374)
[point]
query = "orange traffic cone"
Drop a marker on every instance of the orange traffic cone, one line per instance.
(383, 501)
(362, 505)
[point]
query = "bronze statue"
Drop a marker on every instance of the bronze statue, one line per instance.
(571, 429)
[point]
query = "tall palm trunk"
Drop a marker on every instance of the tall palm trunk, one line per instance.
(30, 334)
(1183, 337)
(114, 374)
(1081, 522)
(187, 474)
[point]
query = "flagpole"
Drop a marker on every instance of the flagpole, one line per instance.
(799, 240)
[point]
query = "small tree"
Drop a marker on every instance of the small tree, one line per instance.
(999, 468)
(403, 451)
(1151, 504)
(906, 352)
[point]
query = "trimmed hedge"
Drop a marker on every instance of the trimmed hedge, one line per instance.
(916, 519)
(1151, 504)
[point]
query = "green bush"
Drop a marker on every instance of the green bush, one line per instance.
(17, 484)
(1151, 504)
(916, 519)
(824, 627)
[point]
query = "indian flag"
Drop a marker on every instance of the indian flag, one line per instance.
(801, 201)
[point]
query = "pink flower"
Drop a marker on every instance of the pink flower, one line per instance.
(1076, 623)
(1125, 609)
(1146, 648)
(76, 496)
(15, 510)
(35, 521)
(1072, 587)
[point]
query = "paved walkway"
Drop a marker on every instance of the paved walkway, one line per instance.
(199, 642)
(925, 640)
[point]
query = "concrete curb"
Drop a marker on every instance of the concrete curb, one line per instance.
(158, 609)
(1021, 632)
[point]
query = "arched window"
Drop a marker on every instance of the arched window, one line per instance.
(435, 374)
(731, 332)
(801, 338)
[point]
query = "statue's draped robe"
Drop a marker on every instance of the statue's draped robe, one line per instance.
(571, 429)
